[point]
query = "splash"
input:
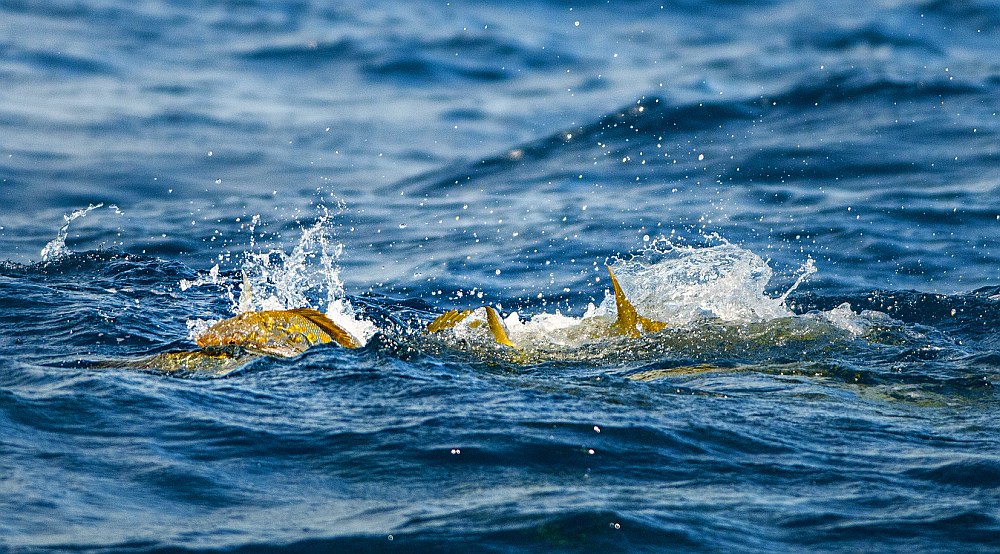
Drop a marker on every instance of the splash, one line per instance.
(680, 284)
(56, 248)
(685, 287)
(803, 273)
(212, 278)
(307, 276)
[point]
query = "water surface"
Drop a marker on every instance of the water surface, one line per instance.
(388, 162)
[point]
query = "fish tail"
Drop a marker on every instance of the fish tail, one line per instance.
(497, 328)
(629, 322)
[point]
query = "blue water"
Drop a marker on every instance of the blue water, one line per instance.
(468, 153)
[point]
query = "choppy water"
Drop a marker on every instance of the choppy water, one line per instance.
(387, 162)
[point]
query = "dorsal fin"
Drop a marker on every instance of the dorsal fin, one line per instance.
(629, 320)
(497, 327)
(336, 332)
(452, 318)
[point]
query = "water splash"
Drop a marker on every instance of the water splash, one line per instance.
(680, 284)
(695, 290)
(308, 276)
(211, 278)
(56, 248)
(803, 273)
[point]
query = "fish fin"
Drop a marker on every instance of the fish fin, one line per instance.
(447, 320)
(336, 332)
(651, 325)
(629, 321)
(497, 327)
(452, 318)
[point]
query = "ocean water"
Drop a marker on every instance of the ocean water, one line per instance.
(807, 194)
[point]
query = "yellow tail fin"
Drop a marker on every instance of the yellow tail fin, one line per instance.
(629, 322)
(452, 318)
(497, 327)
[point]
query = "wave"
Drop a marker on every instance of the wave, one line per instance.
(652, 122)
(717, 300)
(414, 60)
(984, 16)
(61, 64)
(309, 54)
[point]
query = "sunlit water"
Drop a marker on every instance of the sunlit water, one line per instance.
(806, 195)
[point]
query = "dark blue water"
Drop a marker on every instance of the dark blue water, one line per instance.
(446, 155)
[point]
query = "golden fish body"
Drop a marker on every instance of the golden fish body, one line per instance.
(283, 333)
(232, 343)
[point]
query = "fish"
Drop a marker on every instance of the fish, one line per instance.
(232, 343)
(628, 322)
(280, 333)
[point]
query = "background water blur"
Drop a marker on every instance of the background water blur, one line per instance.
(510, 150)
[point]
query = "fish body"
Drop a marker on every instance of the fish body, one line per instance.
(232, 343)
(282, 333)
